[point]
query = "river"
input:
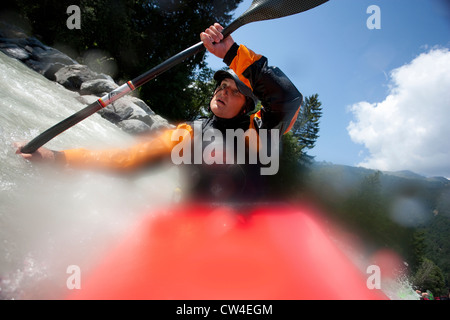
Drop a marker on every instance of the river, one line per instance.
(54, 217)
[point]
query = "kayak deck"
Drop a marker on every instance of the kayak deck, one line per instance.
(203, 252)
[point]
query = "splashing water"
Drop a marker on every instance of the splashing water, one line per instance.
(391, 273)
(50, 217)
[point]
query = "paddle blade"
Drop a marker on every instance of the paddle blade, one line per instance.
(271, 9)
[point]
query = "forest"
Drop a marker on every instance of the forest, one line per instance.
(402, 211)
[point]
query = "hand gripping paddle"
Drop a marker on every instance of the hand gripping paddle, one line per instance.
(259, 10)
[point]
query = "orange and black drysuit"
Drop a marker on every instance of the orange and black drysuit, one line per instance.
(280, 101)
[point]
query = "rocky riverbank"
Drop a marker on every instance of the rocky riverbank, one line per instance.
(129, 113)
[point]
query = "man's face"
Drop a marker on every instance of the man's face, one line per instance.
(227, 101)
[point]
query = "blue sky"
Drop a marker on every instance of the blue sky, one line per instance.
(361, 76)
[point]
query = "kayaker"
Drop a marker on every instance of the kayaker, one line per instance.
(233, 104)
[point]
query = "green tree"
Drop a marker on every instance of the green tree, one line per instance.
(294, 160)
(429, 277)
(289, 179)
(306, 127)
(364, 210)
(418, 247)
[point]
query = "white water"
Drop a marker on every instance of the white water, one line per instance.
(53, 217)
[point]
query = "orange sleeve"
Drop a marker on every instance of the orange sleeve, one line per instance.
(151, 149)
(244, 58)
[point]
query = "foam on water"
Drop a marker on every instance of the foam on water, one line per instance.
(52, 217)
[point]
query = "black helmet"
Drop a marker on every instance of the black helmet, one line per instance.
(246, 91)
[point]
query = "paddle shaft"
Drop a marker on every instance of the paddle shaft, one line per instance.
(258, 11)
(116, 94)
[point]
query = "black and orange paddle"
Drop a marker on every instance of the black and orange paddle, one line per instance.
(258, 11)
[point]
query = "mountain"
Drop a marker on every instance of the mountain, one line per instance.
(390, 209)
(360, 171)
(345, 177)
(412, 175)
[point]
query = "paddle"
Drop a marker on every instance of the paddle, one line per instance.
(258, 11)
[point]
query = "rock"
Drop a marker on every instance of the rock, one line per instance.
(51, 69)
(39, 57)
(123, 109)
(87, 99)
(32, 41)
(141, 104)
(134, 126)
(110, 113)
(128, 110)
(18, 42)
(97, 86)
(14, 51)
(129, 113)
(47, 61)
(71, 77)
(51, 55)
(161, 123)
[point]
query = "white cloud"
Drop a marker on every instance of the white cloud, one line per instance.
(410, 129)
